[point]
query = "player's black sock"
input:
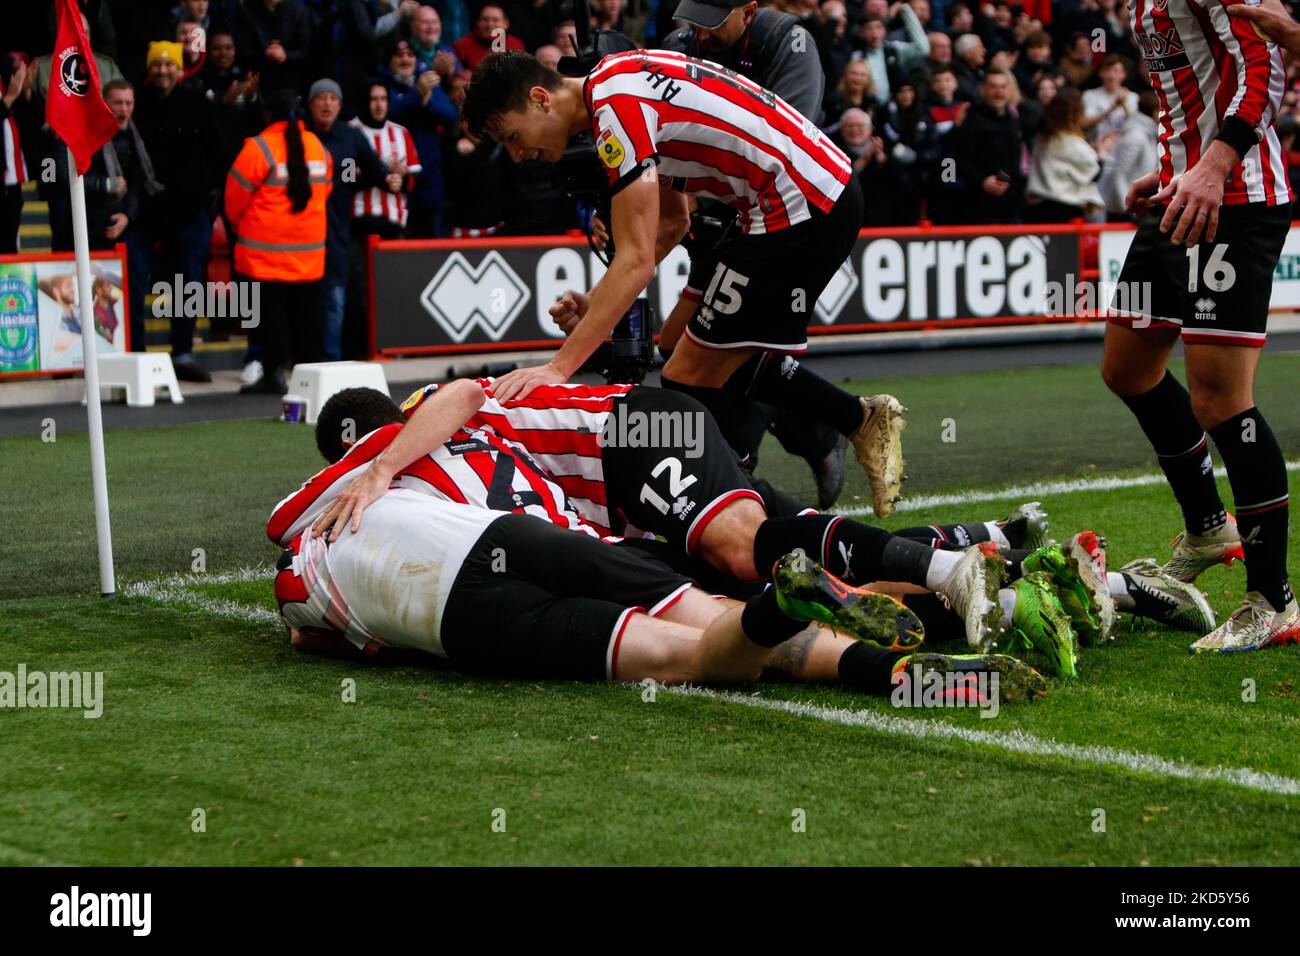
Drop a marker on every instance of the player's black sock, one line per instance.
(1015, 558)
(1257, 472)
(868, 668)
(765, 623)
(949, 536)
(856, 553)
(722, 406)
(1165, 414)
(788, 384)
(941, 624)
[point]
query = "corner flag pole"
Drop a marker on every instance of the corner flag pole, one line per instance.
(98, 471)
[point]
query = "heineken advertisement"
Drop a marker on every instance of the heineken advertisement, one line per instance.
(40, 317)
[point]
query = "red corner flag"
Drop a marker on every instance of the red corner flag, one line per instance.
(75, 108)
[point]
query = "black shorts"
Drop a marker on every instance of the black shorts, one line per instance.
(678, 473)
(536, 601)
(1217, 293)
(763, 289)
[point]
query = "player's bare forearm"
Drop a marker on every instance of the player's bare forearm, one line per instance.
(433, 423)
(674, 222)
(611, 297)
(636, 220)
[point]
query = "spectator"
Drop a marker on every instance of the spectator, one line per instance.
(548, 54)
(108, 68)
(891, 60)
(912, 146)
(1076, 64)
(455, 14)
(490, 35)
(1031, 108)
(946, 111)
(399, 72)
(1132, 157)
(959, 19)
(280, 224)
(854, 91)
(999, 32)
(922, 10)
(376, 212)
(533, 21)
(987, 147)
(275, 37)
(607, 15)
(1107, 108)
(13, 164)
(483, 173)
(380, 211)
(867, 152)
(1035, 60)
(396, 21)
(356, 169)
(200, 12)
(940, 52)
(423, 107)
(830, 30)
(193, 40)
(178, 130)
(968, 66)
(1063, 175)
(431, 53)
(354, 36)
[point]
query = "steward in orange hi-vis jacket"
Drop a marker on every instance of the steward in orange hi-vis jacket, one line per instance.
(272, 241)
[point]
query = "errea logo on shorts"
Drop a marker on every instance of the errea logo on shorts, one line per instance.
(1204, 309)
(75, 909)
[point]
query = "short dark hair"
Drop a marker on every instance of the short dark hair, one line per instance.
(501, 84)
(364, 408)
(112, 85)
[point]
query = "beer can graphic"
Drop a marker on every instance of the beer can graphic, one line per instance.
(19, 321)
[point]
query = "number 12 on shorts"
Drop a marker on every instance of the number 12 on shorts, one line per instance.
(676, 485)
(1219, 273)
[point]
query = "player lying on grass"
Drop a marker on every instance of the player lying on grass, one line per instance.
(513, 594)
(1034, 609)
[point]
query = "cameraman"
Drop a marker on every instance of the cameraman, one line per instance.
(777, 53)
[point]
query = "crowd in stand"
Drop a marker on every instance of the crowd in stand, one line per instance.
(977, 112)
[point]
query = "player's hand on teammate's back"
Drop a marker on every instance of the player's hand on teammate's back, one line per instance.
(521, 381)
(349, 505)
(569, 310)
(1271, 17)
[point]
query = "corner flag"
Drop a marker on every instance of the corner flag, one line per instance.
(76, 111)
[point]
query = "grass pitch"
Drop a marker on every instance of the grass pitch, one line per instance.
(1185, 760)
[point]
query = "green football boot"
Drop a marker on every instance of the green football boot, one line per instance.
(1078, 570)
(805, 591)
(1040, 629)
(1017, 682)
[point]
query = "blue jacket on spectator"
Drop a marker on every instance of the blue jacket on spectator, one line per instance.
(346, 142)
(427, 123)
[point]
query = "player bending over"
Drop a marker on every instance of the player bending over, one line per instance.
(668, 127)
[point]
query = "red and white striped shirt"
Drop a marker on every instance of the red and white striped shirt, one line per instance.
(559, 428)
(714, 134)
(392, 143)
(15, 165)
(1206, 68)
(475, 467)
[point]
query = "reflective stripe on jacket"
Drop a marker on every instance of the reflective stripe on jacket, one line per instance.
(271, 241)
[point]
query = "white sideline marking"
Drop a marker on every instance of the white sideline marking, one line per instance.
(1030, 492)
(177, 589)
(1016, 741)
